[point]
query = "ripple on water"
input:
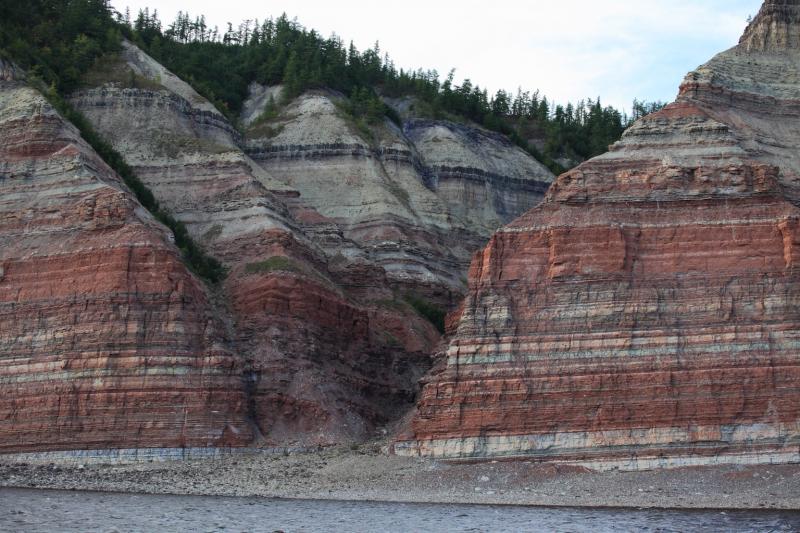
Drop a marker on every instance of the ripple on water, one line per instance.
(33, 510)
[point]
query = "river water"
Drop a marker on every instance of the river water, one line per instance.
(30, 510)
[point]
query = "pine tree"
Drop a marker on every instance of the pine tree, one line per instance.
(292, 77)
(282, 51)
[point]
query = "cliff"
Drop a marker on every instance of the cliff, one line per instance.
(415, 201)
(106, 340)
(109, 342)
(645, 314)
(315, 362)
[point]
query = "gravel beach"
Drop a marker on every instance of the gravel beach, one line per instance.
(365, 473)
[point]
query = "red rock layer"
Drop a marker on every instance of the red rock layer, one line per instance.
(330, 354)
(618, 334)
(106, 340)
(646, 313)
(323, 368)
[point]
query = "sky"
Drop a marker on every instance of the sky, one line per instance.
(568, 49)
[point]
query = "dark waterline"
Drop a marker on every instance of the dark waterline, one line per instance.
(31, 510)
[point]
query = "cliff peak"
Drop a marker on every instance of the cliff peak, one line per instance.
(593, 333)
(775, 28)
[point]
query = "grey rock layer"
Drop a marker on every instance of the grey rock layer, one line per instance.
(323, 234)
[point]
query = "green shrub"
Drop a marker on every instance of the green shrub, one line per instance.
(196, 259)
(111, 68)
(430, 311)
(394, 116)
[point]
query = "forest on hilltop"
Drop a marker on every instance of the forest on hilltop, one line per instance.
(221, 65)
(60, 40)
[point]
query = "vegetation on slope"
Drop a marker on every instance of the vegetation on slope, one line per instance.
(432, 312)
(221, 65)
(198, 261)
(57, 41)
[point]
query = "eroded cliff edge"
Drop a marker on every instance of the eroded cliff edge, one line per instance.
(106, 339)
(330, 241)
(646, 313)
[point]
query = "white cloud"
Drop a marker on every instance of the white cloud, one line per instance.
(570, 49)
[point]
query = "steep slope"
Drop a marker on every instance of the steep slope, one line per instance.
(330, 352)
(754, 88)
(480, 176)
(646, 313)
(416, 202)
(106, 340)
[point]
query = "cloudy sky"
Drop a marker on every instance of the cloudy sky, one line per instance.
(569, 49)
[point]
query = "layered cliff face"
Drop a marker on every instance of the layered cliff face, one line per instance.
(481, 177)
(321, 363)
(106, 340)
(415, 201)
(326, 236)
(646, 313)
(755, 89)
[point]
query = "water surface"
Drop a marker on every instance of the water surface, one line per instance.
(30, 510)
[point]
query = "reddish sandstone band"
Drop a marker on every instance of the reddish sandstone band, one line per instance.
(646, 314)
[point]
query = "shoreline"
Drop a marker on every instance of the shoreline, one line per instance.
(42, 510)
(367, 475)
(756, 510)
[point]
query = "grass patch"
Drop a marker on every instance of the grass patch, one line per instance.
(280, 263)
(270, 112)
(264, 126)
(364, 130)
(111, 68)
(265, 131)
(356, 124)
(171, 145)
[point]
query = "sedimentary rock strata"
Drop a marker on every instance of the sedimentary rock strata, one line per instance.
(479, 175)
(416, 200)
(106, 340)
(646, 313)
(325, 235)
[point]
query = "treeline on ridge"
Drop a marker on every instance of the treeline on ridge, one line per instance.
(221, 65)
(58, 41)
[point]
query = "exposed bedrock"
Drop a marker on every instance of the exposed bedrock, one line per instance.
(646, 313)
(106, 340)
(415, 202)
(324, 239)
(479, 175)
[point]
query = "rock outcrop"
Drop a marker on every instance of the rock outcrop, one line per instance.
(415, 201)
(106, 340)
(480, 176)
(325, 236)
(319, 366)
(646, 313)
